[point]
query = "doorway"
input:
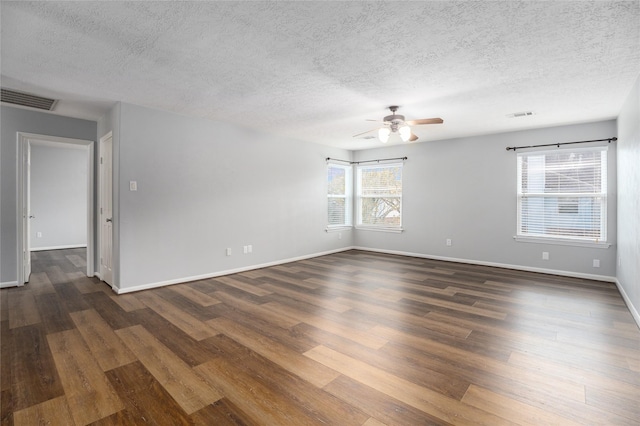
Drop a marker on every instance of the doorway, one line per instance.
(24, 215)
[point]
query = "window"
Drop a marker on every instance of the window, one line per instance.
(379, 196)
(339, 195)
(563, 194)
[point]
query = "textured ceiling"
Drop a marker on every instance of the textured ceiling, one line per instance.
(317, 70)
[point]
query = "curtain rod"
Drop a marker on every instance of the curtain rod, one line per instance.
(366, 161)
(509, 148)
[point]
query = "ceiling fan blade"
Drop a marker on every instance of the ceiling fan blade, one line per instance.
(413, 138)
(364, 133)
(424, 121)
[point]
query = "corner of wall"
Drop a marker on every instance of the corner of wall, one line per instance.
(628, 179)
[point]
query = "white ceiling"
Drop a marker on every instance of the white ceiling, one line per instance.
(317, 70)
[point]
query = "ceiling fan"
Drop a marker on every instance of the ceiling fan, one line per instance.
(395, 123)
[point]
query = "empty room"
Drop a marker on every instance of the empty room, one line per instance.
(320, 213)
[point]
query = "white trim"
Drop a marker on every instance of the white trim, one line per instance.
(632, 309)
(396, 252)
(561, 242)
(378, 163)
(21, 148)
(496, 265)
(338, 228)
(91, 196)
(634, 312)
(70, 246)
(9, 284)
(226, 272)
(379, 229)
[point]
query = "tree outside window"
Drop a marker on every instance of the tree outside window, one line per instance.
(379, 196)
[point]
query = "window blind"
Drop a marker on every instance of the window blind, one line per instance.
(563, 194)
(339, 194)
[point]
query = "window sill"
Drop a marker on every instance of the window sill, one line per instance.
(561, 242)
(372, 228)
(338, 228)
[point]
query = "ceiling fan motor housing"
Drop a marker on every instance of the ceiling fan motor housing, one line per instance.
(394, 120)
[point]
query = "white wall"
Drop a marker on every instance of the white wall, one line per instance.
(204, 186)
(465, 189)
(22, 120)
(629, 200)
(58, 197)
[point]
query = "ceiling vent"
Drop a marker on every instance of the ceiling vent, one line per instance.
(520, 114)
(27, 100)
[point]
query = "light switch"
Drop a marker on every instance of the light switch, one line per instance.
(133, 185)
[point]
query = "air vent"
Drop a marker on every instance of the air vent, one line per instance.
(520, 114)
(27, 100)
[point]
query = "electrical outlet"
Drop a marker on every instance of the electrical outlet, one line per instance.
(596, 263)
(38, 234)
(250, 248)
(449, 241)
(245, 249)
(229, 251)
(545, 255)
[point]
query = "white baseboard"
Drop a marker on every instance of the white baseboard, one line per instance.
(9, 284)
(226, 272)
(632, 309)
(497, 265)
(70, 246)
(396, 252)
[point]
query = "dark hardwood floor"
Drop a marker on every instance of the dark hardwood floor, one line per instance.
(354, 338)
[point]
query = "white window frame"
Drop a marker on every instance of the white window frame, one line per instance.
(359, 197)
(347, 196)
(601, 197)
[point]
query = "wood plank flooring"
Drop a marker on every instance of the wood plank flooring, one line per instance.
(353, 338)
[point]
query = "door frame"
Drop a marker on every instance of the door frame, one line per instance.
(24, 141)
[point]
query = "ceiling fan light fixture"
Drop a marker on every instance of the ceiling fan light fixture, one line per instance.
(405, 133)
(395, 123)
(383, 134)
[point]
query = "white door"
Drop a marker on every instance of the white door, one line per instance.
(26, 215)
(106, 210)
